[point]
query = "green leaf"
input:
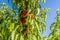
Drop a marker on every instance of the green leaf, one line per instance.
(43, 27)
(17, 35)
(11, 27)
(43, 1)
(1, 36)
(53, 25)
(21, 37)
(13, 35)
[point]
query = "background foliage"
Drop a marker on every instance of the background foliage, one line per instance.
(13, 27)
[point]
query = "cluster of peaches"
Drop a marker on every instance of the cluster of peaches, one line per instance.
(25, 13)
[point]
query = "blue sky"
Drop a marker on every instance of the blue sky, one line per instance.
(53, 4)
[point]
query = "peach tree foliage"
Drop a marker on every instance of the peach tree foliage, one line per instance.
(55, 28)
(24, 21)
